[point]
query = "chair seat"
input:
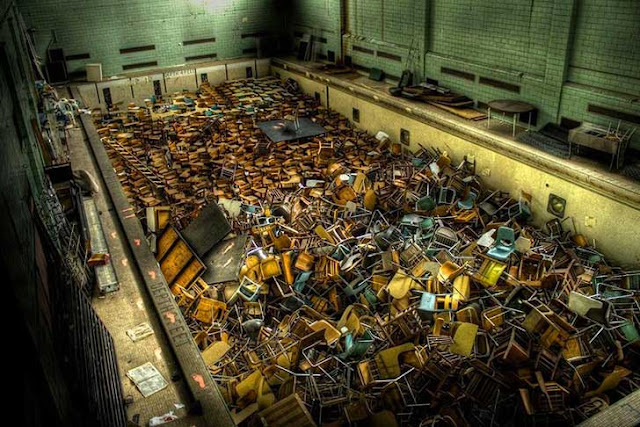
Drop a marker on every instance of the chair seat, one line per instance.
(500, 252)
(505, 244)
(468, 202)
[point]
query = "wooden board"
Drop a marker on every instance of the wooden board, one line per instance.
(465, 113)
(178, 262)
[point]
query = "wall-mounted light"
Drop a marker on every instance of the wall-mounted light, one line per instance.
(556, 205)
(355, 115)
(405, 136)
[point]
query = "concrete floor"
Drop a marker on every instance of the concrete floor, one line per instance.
(128, 307)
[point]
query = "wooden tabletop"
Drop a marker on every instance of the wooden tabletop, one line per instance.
(511, 106)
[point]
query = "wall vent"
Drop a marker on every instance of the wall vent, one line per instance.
(198, 57)
(78, 75)
(137, 49)
(256, 34)
(499, 84)
(390, 56)
(77, 56)
(361, 67)
(157, 88)
(199, 41)
(458, 73)
(363, 50)
(614, 114)
(106, 95)
(139, 65)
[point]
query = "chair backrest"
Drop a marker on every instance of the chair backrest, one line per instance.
(506, 234)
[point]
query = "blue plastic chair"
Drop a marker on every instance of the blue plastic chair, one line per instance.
(505, 244)
(468, 202)
(355, 348)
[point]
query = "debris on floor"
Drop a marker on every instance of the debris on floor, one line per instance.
(140, 332)
(147, 379)
(99, 256)
(162, 419)
(373, 286)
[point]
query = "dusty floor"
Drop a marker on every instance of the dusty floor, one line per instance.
(128, 307)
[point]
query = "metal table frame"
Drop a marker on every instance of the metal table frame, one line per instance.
(515, 114)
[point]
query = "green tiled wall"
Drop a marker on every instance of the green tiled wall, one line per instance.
(396, 27)
(508, 35)
(607, 37)
(102, 27)
(604, 62)
(320, 18)
(563, 55)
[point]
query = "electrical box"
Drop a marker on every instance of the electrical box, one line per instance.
(94, 72)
